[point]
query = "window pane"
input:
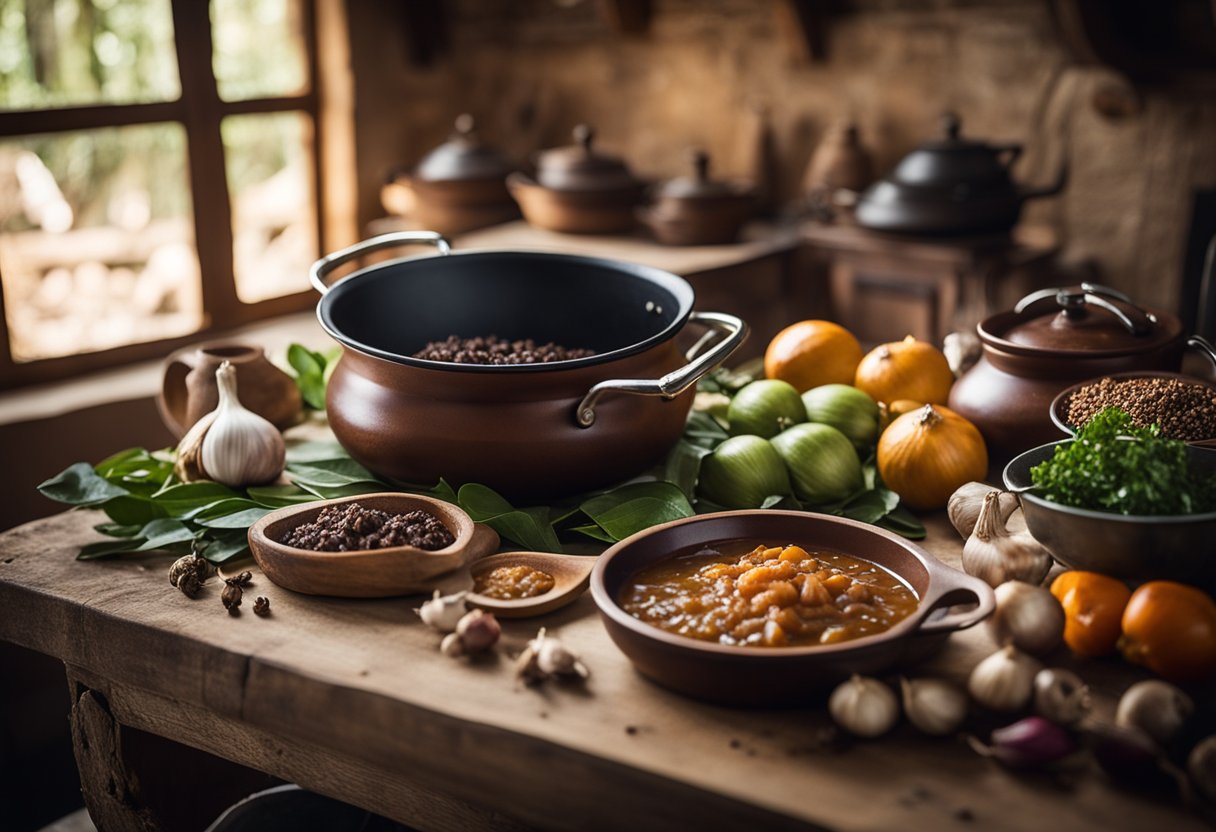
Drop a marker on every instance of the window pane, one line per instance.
(56, 53)
(270, 180)
(96, 240)
(259, 48)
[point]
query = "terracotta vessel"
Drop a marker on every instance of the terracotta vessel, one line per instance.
(578, 190)
(189, 391)
(1051, 340)
(736, 675)
(526, 430)
(460, 185)
(696, 210)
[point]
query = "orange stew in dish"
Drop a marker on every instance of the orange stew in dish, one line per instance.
(510, 583)
(740, 593)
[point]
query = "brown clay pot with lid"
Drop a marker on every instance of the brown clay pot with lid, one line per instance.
(951, 185)
(696, 210)
(1051, 340)
(578, 189)
(460, 185)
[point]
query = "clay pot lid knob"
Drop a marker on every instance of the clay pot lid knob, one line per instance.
(584, 135)
(951, 125)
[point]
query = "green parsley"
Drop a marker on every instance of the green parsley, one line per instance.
(1115, 466)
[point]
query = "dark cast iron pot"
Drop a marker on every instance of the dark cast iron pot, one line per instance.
(526, 430)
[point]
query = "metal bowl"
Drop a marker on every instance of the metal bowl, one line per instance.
(1061, 403)
(1134, 547)
(760, 676)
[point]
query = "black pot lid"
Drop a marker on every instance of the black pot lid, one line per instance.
(462, 156)
(945, 164)
(578, 167)
(1088, 319)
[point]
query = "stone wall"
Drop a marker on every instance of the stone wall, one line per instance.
(705, 70)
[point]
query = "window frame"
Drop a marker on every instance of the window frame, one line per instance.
(200, 111)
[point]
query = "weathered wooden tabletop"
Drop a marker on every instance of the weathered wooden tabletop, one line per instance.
(351, 698)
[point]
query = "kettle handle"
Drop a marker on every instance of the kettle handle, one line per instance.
(1047, 190)
(325, 266)
(1011, 153)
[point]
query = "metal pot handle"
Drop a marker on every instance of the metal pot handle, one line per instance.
(677, 381)
(325, 266)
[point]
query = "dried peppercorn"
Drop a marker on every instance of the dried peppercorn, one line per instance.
(494, 350)
(353, 527)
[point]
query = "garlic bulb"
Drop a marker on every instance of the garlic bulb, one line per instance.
(231, 445)
(475, 632)
(964, 506)
(546, 656)
(1156, 707)
(1028, 617)
(1005, 680)
(864, 706)
(994, 555)
(1061, 696)
(935, 706)
(443, 612)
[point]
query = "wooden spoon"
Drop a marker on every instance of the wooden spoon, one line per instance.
(571, 575)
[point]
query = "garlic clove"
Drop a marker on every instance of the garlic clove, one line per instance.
(1061, 696)
(864, 707)
(443, 612)
(1156, 707)
(1004, 681)
(187, 463)
(239, 448)
(964, 505)
(995, 555)
(934, 706)
(478, 631)
(1027, 616)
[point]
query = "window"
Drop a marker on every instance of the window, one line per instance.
(159, 175)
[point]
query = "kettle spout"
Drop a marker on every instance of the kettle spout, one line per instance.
(1054, 188)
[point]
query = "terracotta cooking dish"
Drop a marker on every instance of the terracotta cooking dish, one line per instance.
(758, 676)
(367, 573)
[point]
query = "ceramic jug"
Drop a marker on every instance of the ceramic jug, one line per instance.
(189, 392)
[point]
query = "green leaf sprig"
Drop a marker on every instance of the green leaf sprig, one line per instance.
(1113, 465)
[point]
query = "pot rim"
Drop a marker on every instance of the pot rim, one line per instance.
(941, 582)
(675, 285)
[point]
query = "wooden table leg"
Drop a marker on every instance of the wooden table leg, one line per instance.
(111, 792)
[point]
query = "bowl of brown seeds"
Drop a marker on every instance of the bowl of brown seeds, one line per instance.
(1184, 406)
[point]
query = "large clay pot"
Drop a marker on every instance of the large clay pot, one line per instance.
(189, 391)
(1051, 340)
(527, 430)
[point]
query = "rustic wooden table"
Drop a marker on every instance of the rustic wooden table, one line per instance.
(352, 699)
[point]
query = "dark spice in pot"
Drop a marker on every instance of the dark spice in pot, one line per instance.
(352, 527)
(494, 350)
(1185, 410)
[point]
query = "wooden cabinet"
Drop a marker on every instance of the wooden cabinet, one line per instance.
(884, 287)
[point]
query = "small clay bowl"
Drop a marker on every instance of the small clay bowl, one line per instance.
(1060, 404)
(771, 676)
(367, 573)
(571, 576)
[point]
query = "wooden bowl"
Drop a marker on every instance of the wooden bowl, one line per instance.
(760, 676)
(367, 573)
(603, 211)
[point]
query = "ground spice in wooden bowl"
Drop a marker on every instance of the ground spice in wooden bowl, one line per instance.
(1185, 410)
(351, 527)
(494, 350)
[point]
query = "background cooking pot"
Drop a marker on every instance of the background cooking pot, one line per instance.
(1051, 340)
(526, 430)
(950, 186)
